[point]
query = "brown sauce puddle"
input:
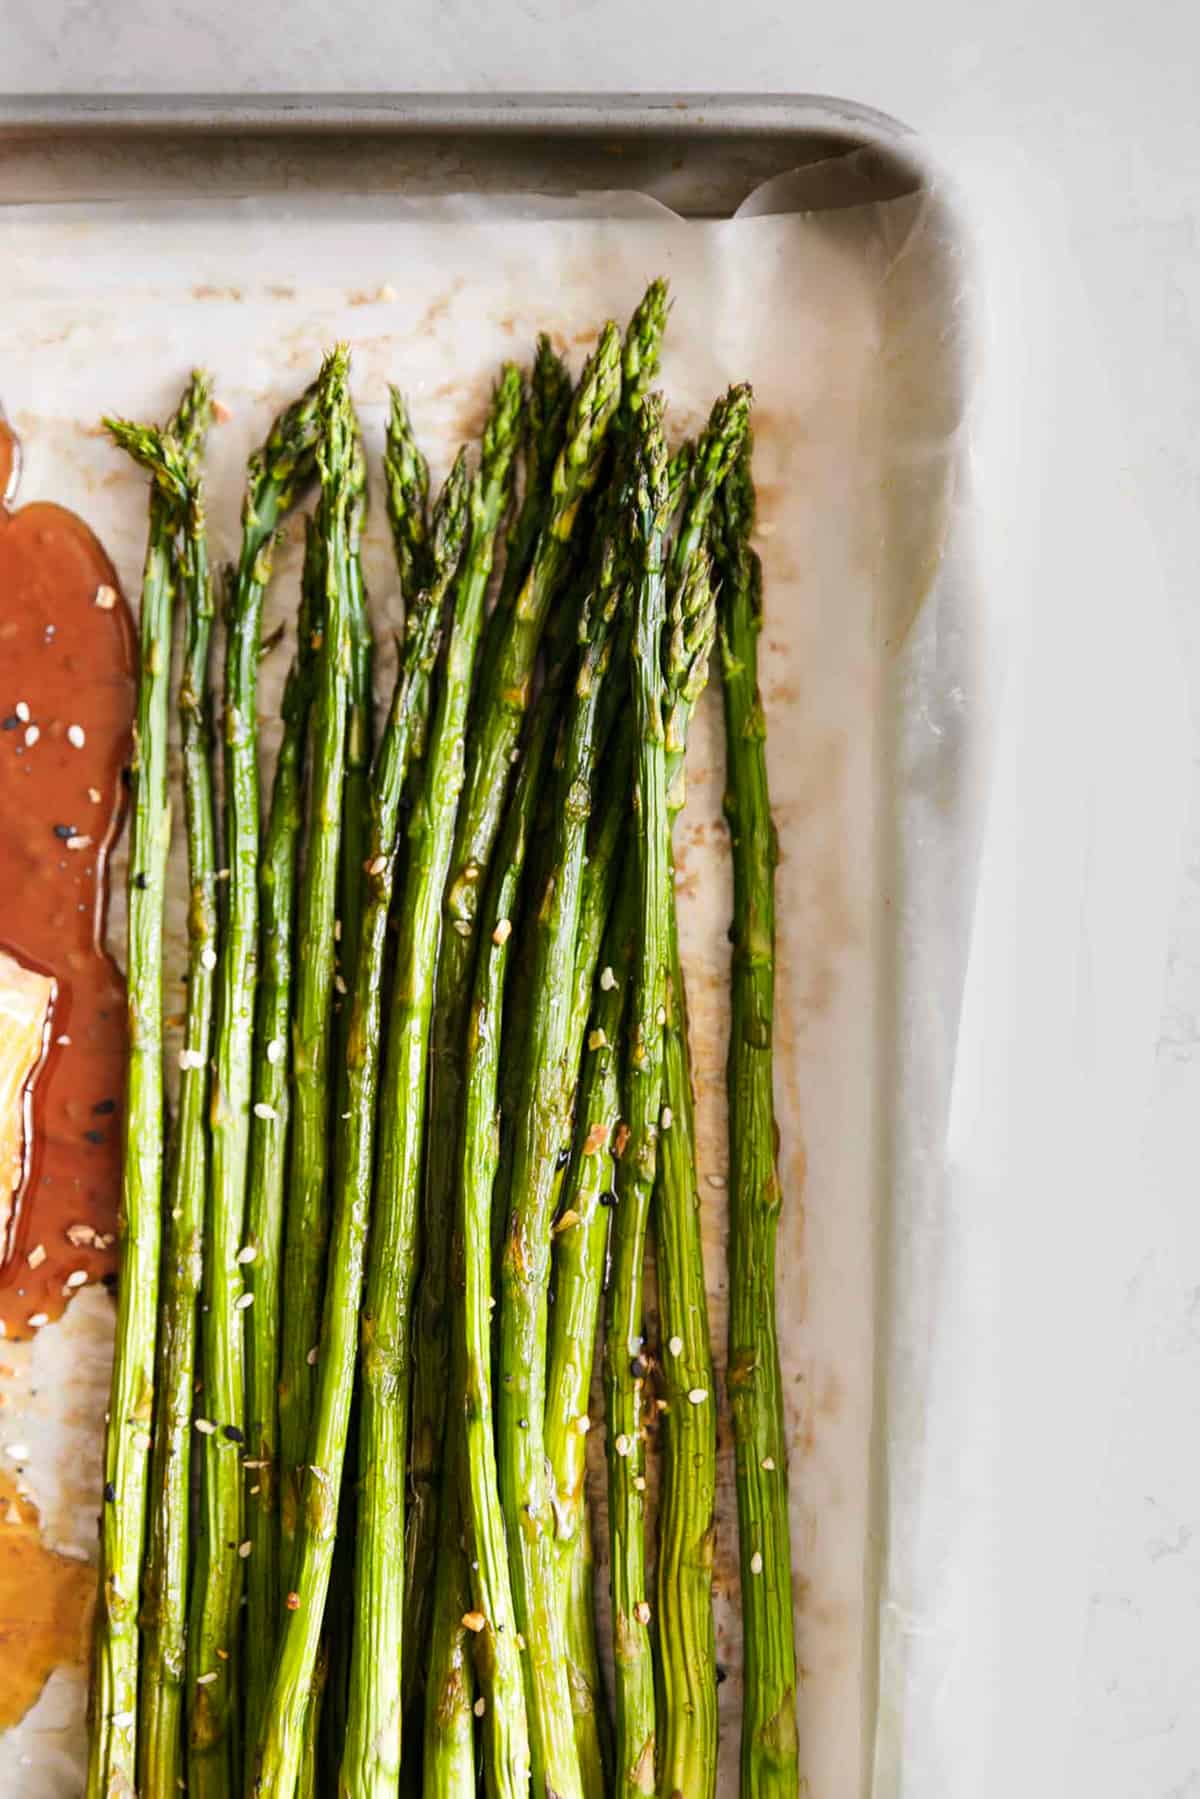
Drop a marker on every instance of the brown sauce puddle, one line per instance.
(67, 660)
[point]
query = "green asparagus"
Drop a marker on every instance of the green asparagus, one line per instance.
(688, 1714)
(164, 1608)
(277, 474)
(499, 714)
(624, 1367)
(306, 1228)
(372, 1752)
(268, 1151)
(113, 1747)
(359, 730)
(770, 1752)
(287, 1713)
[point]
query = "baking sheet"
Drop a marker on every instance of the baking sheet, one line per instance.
(843, 321)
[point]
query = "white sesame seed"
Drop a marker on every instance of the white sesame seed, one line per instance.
(503, 931)
(77, 1278)
(76, 736)
(667, 1118)
(81, 841)
(275, 1051)
(661, 1015)
(639, 1483)
(204, 1680)
(480, 1706)
(676, 1346)
(141, 1440)
(208, 957)
(80, 1235)
(63, 1040)
(377, 865)
(263, 1110)
(623, 1444)
(337, 930)
(756, 1562)
(583, 1424)
(32, 733)
(248, 1253)
(244, 1549)
(242, 1301)
(22, 711)
(191, 1058)
(641, 1612)
(106, 598)
(339, 983)
(95, 795)
(121, 1719)
(205, 1426)
(37, 1319)
(698, 1395)
(18, 1452)
(37, 1255)
(311, 1357)
(716, 1180)
(768, 1464)
(608, 980)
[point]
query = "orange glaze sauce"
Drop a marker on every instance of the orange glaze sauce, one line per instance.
(67, 662)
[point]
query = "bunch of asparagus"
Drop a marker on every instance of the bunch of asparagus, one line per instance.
(435, 1099)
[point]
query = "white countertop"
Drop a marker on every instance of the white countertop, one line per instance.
(1077, 1128)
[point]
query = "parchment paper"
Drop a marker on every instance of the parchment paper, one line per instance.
(844, 320)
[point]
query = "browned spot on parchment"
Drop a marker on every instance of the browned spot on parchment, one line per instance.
(205, 291)
(45, 1607)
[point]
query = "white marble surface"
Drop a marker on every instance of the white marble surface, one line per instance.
(1076, 139)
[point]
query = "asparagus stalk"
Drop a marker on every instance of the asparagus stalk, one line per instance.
(372, 1752)
(500, 709)
(770, 1753)
(449, 1748)
(497, 1657)
(164, 1609)
(624, 1368)
(278, 472)
(112, 1750)
(688, 1717)
(268, 1152)
(356, 804)
(307, 1223)
(289, 1715)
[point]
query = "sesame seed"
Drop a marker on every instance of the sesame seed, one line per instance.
(247, 1463)
(337, 930)
(121, 1719)
(37, 1255)
(597, 1039)
(63, 1041)
(376, 865)
(756, 1562)
(247, 1254)
(81, 841)
(204, 1680)
(311, 1357)
(716, 1180)
(37, 1319)
(503, 931)
(676, 1346)
(275, 1051)
(191, 1058)
(244, 1549)
(95, 795)
(641, 1612)
(698, 1395)
(666, 1119)
(18, 1452)
(263, 1110)
(661, 1015)
(75, 736)
(661, 1405)
(583, 1424)
(474, 1621)
(242, 1301)
(480, 1706)
(639, 1483)
(339, 983)
(208, 957)
(205, 1426)
(80, 1235)
(32, 733)
(608, 980)
(623, 1444)
(768, 1464)
(22, 711)
(234, 1434)
(106, 597)
(567, 1221)
(77, 1278)
(141, 1440)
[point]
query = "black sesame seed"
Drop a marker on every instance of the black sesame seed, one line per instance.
(608, 1199)
(141, 882)
(109, 1280)
(103, 1107)
(564, 1156)
(65, 831)
(127, 776)
(234, 1434)
(110, 1493)
(722, 1674)
(638, 1368)
(11, 722)
(93, 1136)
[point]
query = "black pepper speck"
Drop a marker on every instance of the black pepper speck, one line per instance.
(110, 1493)
(65, 831)
(93, 1136)
(103, 1107)
(234, 1434)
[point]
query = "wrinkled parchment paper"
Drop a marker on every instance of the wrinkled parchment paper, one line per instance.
(845, 322)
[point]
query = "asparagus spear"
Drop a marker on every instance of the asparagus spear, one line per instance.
(164, 1609)
(372, 1750)
(278, 472)
(623, 1366)
(497, 1658)
(688, 1718)
(289, 1715)
(770, 1754)
(358, 730)
(449, 1748)
(268, 1151)
(112, 1751)
(499, 715)
(307, 1223)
